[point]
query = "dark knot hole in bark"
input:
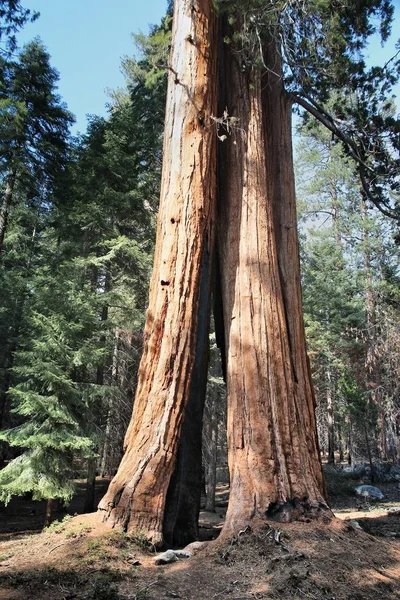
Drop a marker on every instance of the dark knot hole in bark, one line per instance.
(164, 282)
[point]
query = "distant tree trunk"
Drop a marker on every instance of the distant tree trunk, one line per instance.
(111, 413)
(329, 416)
(89, 505)
(368, 446)
(340, 443)
(351, 456)
(211, 431)
(179, 297)
(49, 512)
(274, 460)
(6, 382)
(372, 361)
(5, 206)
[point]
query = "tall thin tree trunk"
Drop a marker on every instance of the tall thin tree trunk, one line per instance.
(6, 382)
(5, 206)
(372, 361)
(137, 495)
(274, 460)
(211, 466)
(340, 443)
(371, 464)
(49, 512)
(351, 456)
(90, 486)
(329, 416)
(111, 412)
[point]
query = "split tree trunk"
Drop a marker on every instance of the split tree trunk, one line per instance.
(179, 292)
(274, 460)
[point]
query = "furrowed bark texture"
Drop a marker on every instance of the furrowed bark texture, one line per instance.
(184, 493)
(137, 495)
(277, 123)
(274, 460)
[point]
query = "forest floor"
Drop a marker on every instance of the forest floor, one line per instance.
(355, 556)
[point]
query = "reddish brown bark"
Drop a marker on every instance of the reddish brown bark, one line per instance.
(274, 458)
(137, 495)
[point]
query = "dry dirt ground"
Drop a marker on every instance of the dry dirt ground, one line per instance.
(80, 558)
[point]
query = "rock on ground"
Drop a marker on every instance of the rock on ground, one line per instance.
(369, 491)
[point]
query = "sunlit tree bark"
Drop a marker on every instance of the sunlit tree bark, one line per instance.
(274, 457)
(178, 312)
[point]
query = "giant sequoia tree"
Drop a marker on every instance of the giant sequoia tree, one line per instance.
(271, 54)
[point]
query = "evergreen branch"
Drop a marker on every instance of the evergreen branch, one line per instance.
(327, 120)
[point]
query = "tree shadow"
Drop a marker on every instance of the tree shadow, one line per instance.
(24, 515)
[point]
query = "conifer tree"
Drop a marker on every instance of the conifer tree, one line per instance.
(345, 250)
(13, 17)
(91, 260)
(34, 130)
(34, 127)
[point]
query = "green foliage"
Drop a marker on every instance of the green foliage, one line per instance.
(361, 406)
(320, 47)
(76, 268)
(346, 252)
(45, 474)
(59, 526)
(34, 123)
(140, 539)
(154, 49)
(320, 39)
(13, 17)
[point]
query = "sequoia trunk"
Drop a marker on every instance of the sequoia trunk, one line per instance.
(179, 292)
(274, 460)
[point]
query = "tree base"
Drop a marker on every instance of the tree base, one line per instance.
(293, 511)
(297, 510)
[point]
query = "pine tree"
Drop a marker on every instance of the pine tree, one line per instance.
(13, 17)
(33, 152)
(93, 247)
(34, 128)
(346, 247)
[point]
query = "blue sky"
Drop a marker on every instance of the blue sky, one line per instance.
(86, 40)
